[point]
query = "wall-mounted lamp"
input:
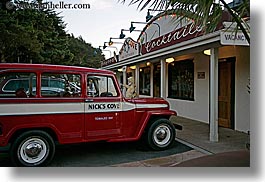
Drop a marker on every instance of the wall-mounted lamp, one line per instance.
(207, 52)
(110, 40)
(149, 16)
(122, 35)
(170, 60)
(105, 50)
(105, 46)
(132, 27)
(111, 43)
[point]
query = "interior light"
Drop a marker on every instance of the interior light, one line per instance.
(133, 67)
(170, 60)
(120, 70)
(148, 64)
(207, 52)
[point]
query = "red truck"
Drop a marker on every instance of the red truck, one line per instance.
(42, 105)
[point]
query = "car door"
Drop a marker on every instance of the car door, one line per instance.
(102, 108)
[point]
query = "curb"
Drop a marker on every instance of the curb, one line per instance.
(167, 161)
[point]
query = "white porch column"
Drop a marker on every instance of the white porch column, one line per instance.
(163, 79)
(137, 78)
(124, 75)
(214, 95)
(152, 80)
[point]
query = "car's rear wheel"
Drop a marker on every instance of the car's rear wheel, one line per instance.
(161, 134)
(33, 148)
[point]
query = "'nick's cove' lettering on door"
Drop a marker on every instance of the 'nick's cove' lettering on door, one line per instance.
(101, 106)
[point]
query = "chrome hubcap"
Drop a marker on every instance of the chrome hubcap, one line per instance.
(33, 150)
(162, 135)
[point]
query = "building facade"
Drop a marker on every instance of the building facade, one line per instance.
(204, 77)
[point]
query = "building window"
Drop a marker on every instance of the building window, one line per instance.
(144, 81)
(181, 80)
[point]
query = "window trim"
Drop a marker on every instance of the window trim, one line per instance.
(107, 76)
(61, 73)
(148, 94)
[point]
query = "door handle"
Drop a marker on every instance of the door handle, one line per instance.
(89, 100)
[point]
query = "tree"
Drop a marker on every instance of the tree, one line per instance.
(32, 35)
(207, 13)
(84, 53)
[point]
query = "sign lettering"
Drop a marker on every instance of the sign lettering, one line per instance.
(182, 34)
(129, 49)
(103, 106)
(109, 61)
(233, 38)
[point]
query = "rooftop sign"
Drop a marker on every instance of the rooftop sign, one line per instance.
(233, 38)
(109, 61)
(179, 35)
(129, 49)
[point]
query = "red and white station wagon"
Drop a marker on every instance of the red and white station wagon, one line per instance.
(41, 105)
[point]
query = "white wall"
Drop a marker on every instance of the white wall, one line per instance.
(242, 75)
(199, 108)
(242, 107)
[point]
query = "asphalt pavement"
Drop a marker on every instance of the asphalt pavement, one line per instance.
(102, 154)
(232, 149)
(191, 149)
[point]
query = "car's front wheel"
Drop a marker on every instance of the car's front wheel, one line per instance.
(33, 148)
(161, 134)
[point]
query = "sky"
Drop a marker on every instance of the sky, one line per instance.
(103, 20)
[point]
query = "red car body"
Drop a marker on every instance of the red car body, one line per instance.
(74, 119)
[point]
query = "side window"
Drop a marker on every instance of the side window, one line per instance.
(60, 85)
(17, 84)
(101, 86)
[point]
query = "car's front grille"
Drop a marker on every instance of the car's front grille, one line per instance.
(1, 129)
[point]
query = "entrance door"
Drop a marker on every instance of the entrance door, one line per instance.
(102, 108)
(226, 92)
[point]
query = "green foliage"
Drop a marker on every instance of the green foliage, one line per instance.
(206, 13)
(83, 53)
(38, 36)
